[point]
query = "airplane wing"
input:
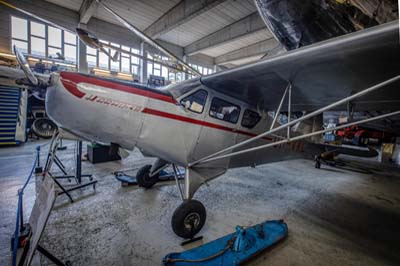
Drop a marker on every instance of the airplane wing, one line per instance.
(322, 73)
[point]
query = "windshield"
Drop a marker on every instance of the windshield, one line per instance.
(183, 87)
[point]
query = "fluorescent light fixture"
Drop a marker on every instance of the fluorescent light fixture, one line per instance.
(124, 74)
(101, 70)
(33, 59)
(64, 64)
(7, 55)
(47, 62)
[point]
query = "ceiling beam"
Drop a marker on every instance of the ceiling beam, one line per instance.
(240, 28)
(179, 14)
(259, 48)
(87, 10)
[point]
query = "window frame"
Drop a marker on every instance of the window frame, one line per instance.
(258, 121)
(27, 41)
(233, 104)
(70, 44)
(51, 46)
(165, 72)
(135, 62)
(111, 62)
(67, 58)
(190, 94)
(123, 55)
(44, 45)
(94, 55)
(30, 35)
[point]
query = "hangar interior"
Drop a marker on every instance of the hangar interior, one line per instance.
(207, 34)
(113, 200)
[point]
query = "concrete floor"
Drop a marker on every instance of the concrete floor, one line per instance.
(335, 216)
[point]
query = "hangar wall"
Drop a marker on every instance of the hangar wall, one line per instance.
(70, 19)
(62, 16)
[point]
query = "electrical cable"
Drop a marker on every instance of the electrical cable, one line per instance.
(19, 209)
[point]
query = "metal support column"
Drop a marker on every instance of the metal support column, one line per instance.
(82, 59)
(143, 63)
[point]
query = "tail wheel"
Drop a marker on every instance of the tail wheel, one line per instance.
(189, 218)
(143, 177)
(317, 160)
(44, 128)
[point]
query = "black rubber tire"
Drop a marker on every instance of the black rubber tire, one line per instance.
(143, 179)
(187, 210)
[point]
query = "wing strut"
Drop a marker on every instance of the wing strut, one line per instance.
(214, 156)
(277, 112)
(301, 137)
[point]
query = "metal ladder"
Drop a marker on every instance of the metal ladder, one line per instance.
(10, 115)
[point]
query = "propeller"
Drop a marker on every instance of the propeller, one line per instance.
(25, 67)
(37, 82)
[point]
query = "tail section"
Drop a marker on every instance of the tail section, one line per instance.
(335, 150)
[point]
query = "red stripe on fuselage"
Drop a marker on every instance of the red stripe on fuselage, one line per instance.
(76, 78)
(70, 81)
(71, 87)
(197, 122)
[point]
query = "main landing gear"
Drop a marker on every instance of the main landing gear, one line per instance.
(188, 219)
(144, 179)
(190, 216)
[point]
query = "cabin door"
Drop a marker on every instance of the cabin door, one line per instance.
(218, 132)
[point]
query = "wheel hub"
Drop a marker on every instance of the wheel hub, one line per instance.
(192, 220)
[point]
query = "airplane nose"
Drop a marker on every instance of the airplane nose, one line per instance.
(53, 78)
(50, 90)
(51, 96)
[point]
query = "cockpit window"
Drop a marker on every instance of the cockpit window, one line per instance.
(250, 119)
(224, 110)
(195, 102)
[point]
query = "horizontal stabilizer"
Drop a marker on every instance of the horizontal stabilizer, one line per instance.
(350, 150)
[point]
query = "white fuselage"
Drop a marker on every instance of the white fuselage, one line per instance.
(131, 115)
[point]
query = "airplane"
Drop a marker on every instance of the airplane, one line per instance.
(258, 113)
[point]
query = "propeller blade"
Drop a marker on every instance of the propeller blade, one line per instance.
(25, 67)
(147, 39)
(88, 38)
(92, 41)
